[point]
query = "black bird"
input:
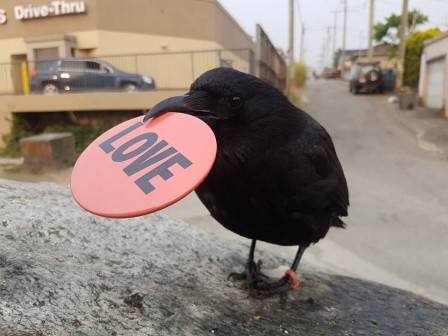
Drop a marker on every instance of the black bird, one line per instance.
(276, 177)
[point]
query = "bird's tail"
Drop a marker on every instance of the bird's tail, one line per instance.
(337, 222)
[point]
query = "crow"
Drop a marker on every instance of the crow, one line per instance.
(276, 177)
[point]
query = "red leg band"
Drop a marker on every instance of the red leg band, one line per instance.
(293, 276)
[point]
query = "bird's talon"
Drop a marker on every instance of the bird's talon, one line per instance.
(252, 274)
(236, 276)
(265, 289)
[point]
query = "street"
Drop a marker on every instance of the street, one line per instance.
(396, 230)
(398, 212)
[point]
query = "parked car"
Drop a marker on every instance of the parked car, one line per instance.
(84, 74)
(366, 77)
(332, 74)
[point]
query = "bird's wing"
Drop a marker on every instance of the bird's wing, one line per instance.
(325, 161)
(317, 181)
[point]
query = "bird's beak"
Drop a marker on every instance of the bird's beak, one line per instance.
(172, 104)
(191, 104)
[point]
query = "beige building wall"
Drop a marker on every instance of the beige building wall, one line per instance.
(435, 49)
(15, 47)
(117, 27)
(188, 20)
(11, 46)
(384, 61)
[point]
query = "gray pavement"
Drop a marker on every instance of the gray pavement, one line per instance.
(429, 126)
(398, 216)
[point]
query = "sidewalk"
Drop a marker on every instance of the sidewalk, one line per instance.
(429, 126)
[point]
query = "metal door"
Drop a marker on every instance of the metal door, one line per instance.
(436, 76)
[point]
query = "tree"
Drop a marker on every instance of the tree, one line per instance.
(414, 49)
(388, 31)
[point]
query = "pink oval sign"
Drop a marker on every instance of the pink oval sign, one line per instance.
(138, 168)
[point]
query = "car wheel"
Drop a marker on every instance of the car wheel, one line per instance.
(50, 89)
(129, 88)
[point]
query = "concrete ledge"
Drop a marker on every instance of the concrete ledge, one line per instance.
(88, 101)
(48, 149)
(92, 101)
(66, 272)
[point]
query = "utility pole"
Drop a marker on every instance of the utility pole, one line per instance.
(414, 21)
(402, 48)
(290, 90)
(344, 40)
(334, 35)
(302, 43)
(327, 48)
(371, 15)
(321, 60)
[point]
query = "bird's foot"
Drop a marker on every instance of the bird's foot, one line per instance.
(251, 274)
(281, 287)
(261, 286)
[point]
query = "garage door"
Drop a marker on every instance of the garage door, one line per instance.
(436, 83)
(46, 53)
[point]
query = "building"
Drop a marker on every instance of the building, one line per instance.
(380, 55)
(37, 29)
(48, 28)
(433, 85)
(174, 41)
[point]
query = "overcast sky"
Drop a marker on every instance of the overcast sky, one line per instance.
(316, 16)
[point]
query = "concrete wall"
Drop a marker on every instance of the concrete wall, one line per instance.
(385, 61)
(11, 46)
(98, 101)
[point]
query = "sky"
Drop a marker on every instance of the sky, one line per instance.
(316, 16)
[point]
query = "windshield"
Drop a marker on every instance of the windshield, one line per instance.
(364, 69)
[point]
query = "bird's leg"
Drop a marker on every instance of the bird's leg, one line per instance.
(251, 273)
(282, 286)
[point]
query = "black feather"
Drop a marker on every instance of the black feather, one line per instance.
(277, 177)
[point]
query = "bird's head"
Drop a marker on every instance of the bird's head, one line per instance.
(224, 95)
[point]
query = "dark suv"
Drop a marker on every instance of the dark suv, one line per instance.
(84, 74)
(367, 77)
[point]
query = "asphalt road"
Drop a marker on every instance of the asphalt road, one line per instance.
(397, 230)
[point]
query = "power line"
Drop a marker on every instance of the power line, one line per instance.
(299, 10)
(337, 28)
(443, 1)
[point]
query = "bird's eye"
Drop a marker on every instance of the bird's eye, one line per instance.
(235, 102)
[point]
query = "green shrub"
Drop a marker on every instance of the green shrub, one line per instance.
(23, 127)
(84, 134)
(299, 74)
(20, 128)
(414, 49)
